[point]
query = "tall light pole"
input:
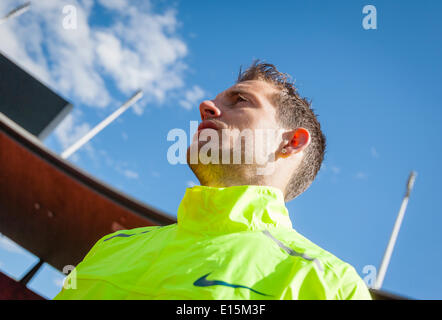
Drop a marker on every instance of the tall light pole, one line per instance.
(88, 136)
(389, 251)
(16, 12)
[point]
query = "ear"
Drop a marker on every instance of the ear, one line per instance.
(300, 139)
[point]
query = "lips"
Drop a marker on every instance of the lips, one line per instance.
(210, 124)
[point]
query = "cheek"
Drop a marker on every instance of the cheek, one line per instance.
(250, 119)
(268, 119)
(245, 119)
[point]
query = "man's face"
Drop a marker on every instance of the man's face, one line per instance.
(245, 108)
(246, 105)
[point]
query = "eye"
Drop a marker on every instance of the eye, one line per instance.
(240, 98)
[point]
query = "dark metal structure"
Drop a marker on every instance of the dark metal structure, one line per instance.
(49, 207)
(383, 295)
(28, 102)
(13, 290)
(55, 210)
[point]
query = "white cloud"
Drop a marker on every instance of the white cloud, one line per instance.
(114, 4)
(335, 170)
(191, 184)
(156, 174)
(119, 166)
(138, 108)
(137, 49)
(192, 98)
(130, 174)
(374, 153)
(361, 175)
(71, 129)
(63, 59)
(142, 51)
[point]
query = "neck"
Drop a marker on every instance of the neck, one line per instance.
(222, 176)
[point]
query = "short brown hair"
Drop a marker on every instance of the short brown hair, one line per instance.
(293, 112)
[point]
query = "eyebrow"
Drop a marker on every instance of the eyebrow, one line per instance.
(235, 91)
(232, 92)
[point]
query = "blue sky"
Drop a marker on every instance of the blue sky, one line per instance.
(377, 93)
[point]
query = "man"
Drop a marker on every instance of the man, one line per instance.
(233, 238)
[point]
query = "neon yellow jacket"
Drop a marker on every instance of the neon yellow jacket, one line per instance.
(228, 243)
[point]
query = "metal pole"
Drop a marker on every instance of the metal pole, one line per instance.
(69, 151)
(395, 232)
(16, 12)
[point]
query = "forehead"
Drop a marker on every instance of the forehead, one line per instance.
(259, 88)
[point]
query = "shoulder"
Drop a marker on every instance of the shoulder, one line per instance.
(341, 277)
(301, 244)
(128, 233)
(125, 238)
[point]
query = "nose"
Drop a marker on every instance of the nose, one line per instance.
(209, 110)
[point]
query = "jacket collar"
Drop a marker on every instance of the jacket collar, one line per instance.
(210, 210)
